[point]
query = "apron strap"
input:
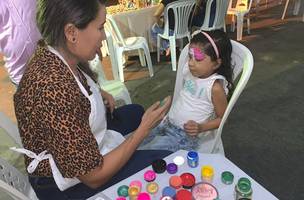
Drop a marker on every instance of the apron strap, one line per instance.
(36, 158)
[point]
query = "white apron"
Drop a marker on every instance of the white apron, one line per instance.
(107, 140)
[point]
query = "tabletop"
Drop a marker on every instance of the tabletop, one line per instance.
(217, 161)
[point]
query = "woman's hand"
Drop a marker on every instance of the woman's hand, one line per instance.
(192, 128)
(108, 100)
(155, 113)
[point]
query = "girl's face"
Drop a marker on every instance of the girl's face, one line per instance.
(200, 64)
(89, 40)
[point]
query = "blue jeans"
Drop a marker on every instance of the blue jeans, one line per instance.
(155, 30)
(124, 119)
(167, 136)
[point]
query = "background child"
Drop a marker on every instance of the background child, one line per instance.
(200, 106)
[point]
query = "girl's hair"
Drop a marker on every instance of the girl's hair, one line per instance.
(53, 15)
(224, 47)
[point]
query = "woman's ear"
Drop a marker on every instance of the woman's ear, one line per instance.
(70, 32)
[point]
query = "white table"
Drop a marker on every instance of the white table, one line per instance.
(219, 163)
(136, 23)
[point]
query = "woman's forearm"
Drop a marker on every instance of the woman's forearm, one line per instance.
(114, 160)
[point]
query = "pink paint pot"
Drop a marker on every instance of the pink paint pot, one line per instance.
(204, 191)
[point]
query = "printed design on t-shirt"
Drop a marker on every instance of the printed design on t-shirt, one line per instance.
(190, 86)
(200, 94)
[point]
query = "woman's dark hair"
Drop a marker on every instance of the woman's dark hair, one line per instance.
(53, 15)
(224, 46)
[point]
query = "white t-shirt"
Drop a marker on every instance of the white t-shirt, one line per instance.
(195, 99)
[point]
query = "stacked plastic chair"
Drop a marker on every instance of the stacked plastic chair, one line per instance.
(182, 11)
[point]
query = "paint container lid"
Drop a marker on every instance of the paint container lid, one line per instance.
(244, 185)
(175, 182)
(188, 180)
(149, 175)
(179, 160)
(152, 187)
(192, 155)
(123, 190)
(159, 166)
(143, 196)
(137, 184)
(227, 177)
(183, 195)
(207, 171)
(169, 191)
(133, 191)
(171, 168)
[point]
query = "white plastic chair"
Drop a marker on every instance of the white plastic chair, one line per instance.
(128, 44)
(296, 8)
(115, 87)
(242, 60)
(220, 15)
(13, 182)
(10, 128)
(239, 11)
(182, 10)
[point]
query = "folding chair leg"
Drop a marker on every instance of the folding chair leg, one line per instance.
(248, 25)
(189, 37)
(285, 9)
(158, 48)
(148, 58)
(181, 44)
(173, 52)
(297, 7)
(141, 58)
(239, 21)
(120, 66)
(232, 28)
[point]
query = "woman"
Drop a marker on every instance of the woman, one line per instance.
(157, 28)
(60, 110)
(198, 15)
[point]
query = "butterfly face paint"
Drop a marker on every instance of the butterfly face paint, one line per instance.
(197, 54)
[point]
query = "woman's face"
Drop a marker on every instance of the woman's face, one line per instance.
(89, 40)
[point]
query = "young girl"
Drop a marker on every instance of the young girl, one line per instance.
(200, 106)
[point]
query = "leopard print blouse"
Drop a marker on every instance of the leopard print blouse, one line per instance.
(53, 115)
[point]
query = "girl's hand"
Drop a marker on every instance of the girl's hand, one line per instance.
(192, 128)
(154, 114)
(108, 100)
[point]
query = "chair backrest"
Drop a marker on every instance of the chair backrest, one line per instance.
(240, 5)
(15, 183)
(242, 61)
(10, 128)
(11, 180)
(220, 15)
(112, 26)
(182, 11)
